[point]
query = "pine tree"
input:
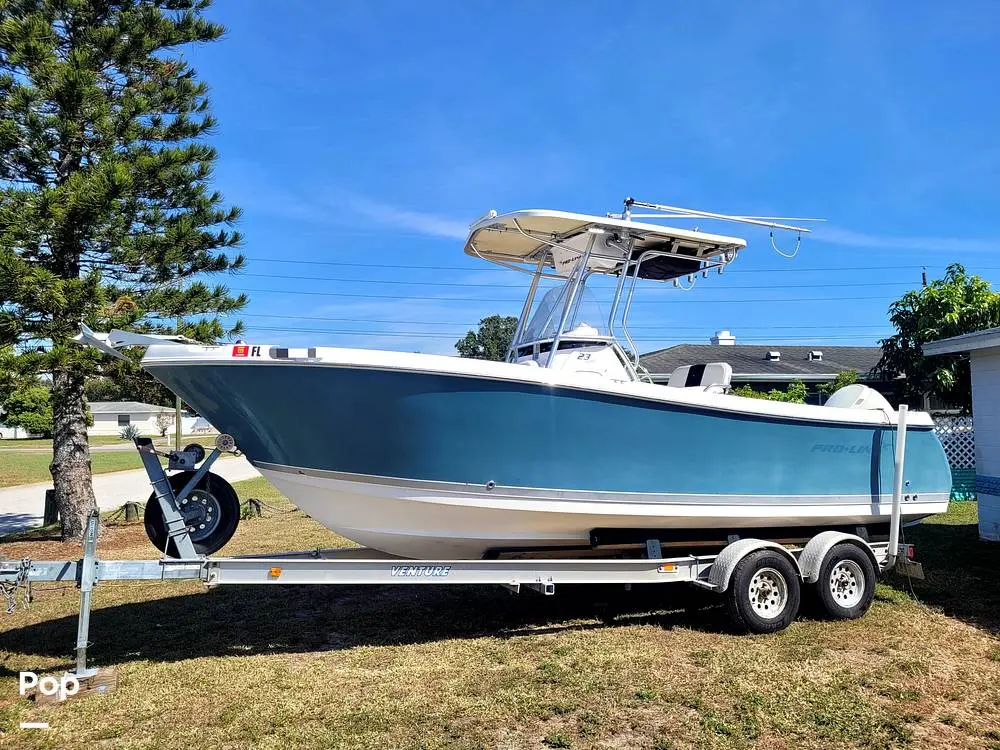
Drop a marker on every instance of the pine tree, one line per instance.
(106, 212)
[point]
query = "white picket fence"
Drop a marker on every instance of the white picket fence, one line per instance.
(958, 437)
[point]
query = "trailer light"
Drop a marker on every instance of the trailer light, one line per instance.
(274, 573)
(668, 568)
(911, 552)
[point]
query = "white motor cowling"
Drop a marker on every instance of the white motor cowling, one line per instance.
(858, 396)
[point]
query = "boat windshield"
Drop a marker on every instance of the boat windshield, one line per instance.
(545, 319)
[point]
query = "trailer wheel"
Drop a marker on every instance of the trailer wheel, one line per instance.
(764, 593)
(846, 584)
(211, 510)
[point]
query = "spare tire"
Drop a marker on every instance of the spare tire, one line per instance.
(211, 510)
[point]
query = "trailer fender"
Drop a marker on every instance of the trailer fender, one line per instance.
(722, 569)
(817, 548)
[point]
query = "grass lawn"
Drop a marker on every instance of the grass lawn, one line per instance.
(20, 444)
(47, 442)
(26, 468)
(30, 466)
(468, 667)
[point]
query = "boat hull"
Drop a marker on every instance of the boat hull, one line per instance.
(428, 520)
(459, 461)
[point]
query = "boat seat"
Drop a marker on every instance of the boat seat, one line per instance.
(714, 377)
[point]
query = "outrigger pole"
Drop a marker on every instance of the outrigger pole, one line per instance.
(676, 212)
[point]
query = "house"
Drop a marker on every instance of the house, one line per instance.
(764, 367)
(12, 433)
(110, 417)
(983, 348)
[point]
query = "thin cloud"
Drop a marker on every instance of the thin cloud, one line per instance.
(428, 224)
(849, 238)
(258, 193)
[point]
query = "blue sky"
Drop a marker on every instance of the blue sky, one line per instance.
(372, 133)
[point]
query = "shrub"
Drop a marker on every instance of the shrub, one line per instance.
(796, 393)
(845, 377)
(129, 432)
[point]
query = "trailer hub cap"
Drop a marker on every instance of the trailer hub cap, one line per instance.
(768, 593)
(201, 514)
(847, 583)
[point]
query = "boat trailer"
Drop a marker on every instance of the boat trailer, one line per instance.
(760, 576)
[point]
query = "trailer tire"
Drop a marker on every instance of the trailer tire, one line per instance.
(846, 584)
(215, 508)
(764, 593)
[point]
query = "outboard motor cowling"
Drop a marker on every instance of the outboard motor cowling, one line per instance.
(858, 396)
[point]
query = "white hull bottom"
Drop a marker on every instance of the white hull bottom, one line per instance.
(438, 520)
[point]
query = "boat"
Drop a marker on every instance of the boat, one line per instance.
(567, 446)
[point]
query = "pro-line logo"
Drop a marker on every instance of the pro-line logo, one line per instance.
(244, 350)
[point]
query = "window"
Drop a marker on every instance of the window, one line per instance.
(124, 420)
(545, 320)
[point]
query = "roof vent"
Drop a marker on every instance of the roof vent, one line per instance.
(773, 356)
(816, 355)
(723, 338)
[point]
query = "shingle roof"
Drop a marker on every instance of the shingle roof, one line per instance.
(125, 407)
(752, 360)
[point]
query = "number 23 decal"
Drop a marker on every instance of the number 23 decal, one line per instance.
(583, 355)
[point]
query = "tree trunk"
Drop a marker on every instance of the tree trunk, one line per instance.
(70, 466)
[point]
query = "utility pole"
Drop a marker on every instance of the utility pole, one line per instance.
(923, 276)
(178, 428)
(177, 424)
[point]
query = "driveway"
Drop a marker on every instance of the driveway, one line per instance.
(22, 507)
